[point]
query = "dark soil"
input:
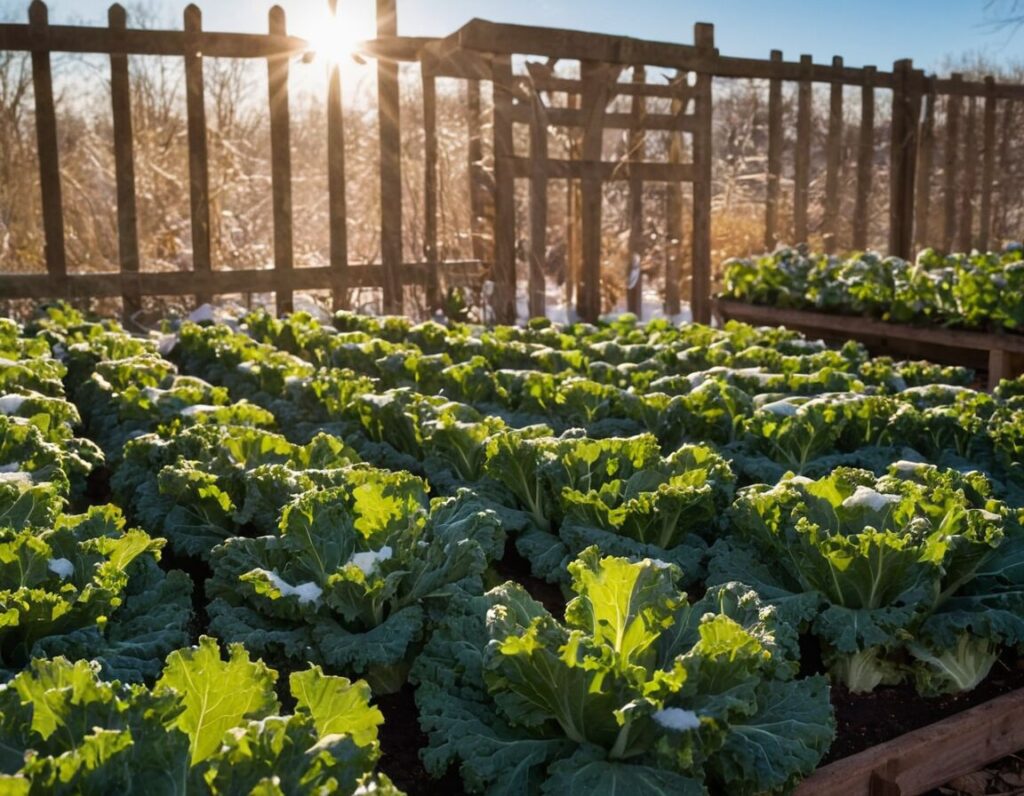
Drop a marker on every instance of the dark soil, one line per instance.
(865, 720)
(514, 567)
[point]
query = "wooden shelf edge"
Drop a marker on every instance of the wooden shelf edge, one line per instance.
(919, 761)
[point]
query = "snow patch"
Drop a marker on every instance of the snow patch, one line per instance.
(307, 592)
(866, 497)
(19, 477)
(368, 562)
(677, 719)
(165, 344)
(61, 567)
(784, 408)
(195, 409)
(206, 312)
(659, 564)
(11, 403)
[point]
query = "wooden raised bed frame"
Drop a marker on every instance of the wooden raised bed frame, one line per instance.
(1002, 355)
(924, 759)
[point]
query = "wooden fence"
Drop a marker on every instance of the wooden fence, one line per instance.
(524, 92)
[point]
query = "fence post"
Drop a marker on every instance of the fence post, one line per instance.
(594, 78)
(970, 179)
(430, 243)
(280, 166)
(124, 168)
(537, 288)
(337, 206)
(989, 164)
(865, 160)
(674, 209)
(902, 157)
(388, 110)
(46, 141)
(637, 153)
(802, 176)
(951, 164)
(774, 165)
(198, 158)
(504, 273)
(1005, 183)
(833, 158)
(925, 157)
(700, 295)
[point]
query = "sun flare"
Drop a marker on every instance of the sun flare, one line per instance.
(334, 37)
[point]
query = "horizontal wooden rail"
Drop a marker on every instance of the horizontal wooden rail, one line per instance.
(575, 117)
(178, 283)
(559, 169)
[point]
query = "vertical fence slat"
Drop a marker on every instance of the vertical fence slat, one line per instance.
(388, 110)
(430, 207)
(833, 161)
(774, 165)
(802, 177)
(594, 77)
(966, 238)
(674, 215)
(950, 164)
(537, 288)
(865, 160)
(280, 166)
(574, 199)
(337, 205)
(198, 162)
(1005, 183)
(925, 157)
(700, 295)
(903, 157)
(46, 141)
(475, 155)
(504, 272)
(637, 153)
(124, 167)
(989, 164)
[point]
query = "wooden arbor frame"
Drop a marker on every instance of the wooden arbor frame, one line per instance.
(484, 51)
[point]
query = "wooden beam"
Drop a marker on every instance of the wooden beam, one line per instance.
(833, 162)
(865, 160)
(478, 190)
(504, 235)
(46, 142)
(389, 115)
(198, 159)
(674, 220)
(925, 156)
(951, 165)
(1005, 180)
(902, 160)
(802, 178)
(966, 240)
(700, 293)
(608, 171)
(574, 117)
(637, 153)
(988, 168)
(281, 166)
(537, 288)
(430, 205)
(124, 165)
(337, 204)
(773, 175)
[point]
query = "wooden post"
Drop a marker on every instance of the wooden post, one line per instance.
(674, 216)
(902, 157)
(925, 156)
(774, 165)
(475, 153)
(594, 77)
(388, 109)
(46, 141)
(574, 200)
(802, 178)
(124, 168)
(966, 241)
(637, 154)
(951, 164)
(337, 206)
(281, 166)
(198, 159)
(865, 160)
(537, 289)
(430, 210)
(1005, 182)
(504, 271)
(700, 297)
(833, 160)
(989, 164)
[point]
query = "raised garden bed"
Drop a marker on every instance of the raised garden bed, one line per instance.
(1001, 355)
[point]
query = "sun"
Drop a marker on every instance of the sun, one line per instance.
(334, 37)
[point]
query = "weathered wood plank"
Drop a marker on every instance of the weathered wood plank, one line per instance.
(774, 165)
(390, 136)
(674, 220)
(951, 165)
(637, 152)
(537, 287)
(198, 157)
(430, 200)
(573, 117)
(700, 294)
(865, 160)
(988, 164)
(903, 159)
(477, 179)
(574, 169)
(46, 143)
(281, 166)
(504, 273)
(802, 177)
(833, 161)
(1005, 179)
(337, 203)
(966, 238)
(925, 157)
(573, 201)
(124, 164)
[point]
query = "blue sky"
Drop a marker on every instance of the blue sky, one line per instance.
(865, 32)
